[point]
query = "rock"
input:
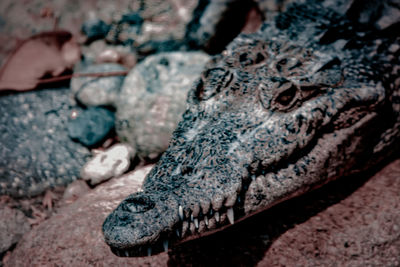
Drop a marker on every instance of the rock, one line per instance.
(73, 236)
(91, 126)
(132, 18)
(95, 28)
(35, 150)
(13, 224)
(166, 26)
(148, 26)
(128, 28)
(97, 91)
(218, 24)
(109, 163)
(153, 98)
(153, 26)
(99, 52)
(75, 190)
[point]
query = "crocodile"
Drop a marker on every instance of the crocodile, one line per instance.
(310, 97)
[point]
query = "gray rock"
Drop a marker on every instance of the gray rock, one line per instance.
(13, 224)
(73, 237)
(95, 28)
(109, 163)
(153, 98)
(35, 150)
(91, 126)
(153, 26)
(160, 26)
(97, 91)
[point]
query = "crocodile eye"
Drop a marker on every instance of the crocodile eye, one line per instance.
(286, 97)
(212, 82)
(285, 93)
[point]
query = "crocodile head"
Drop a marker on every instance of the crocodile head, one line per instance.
(269, 119)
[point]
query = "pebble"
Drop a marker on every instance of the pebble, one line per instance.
(91, 126)
(97, 91)
(13, 224)
(107, 164)
(153, 98)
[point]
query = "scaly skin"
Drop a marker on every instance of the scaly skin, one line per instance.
(280, 112)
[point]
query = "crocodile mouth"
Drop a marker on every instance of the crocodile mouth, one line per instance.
(187, 228)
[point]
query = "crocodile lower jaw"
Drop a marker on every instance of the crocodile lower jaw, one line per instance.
(189, 228)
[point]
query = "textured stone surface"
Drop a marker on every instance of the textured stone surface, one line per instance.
(95, 28)
(112, 162)
(360, 230)
(75, 190)
(35, 149)
(97, 91)
(73, 237)
(99, 52)
(91, 126)
(153, 99)
(163, 28)
(153, 25)
(148, 26)
(13, 224)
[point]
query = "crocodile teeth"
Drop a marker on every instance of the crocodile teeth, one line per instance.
(206, 220)
(165, 245)
(230, 200)
(185, 226)
(191, 217)
(230, 215)
(196, 222)
(180, 213)
(217, 202)
(177, 233)
(126, 253)
(196, 210)
(205, 206)
(217, 216)
(192, 228)
(149, 251)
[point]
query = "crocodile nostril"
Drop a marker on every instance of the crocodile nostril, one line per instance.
(138, 203)
(186, 169)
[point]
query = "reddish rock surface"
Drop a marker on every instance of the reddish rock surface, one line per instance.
(363, 229)
(13, 224)
(73, 237)
(354, 221)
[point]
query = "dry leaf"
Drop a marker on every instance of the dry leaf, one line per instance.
(44, 54)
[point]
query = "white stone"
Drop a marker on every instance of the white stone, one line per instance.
(109, 163)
